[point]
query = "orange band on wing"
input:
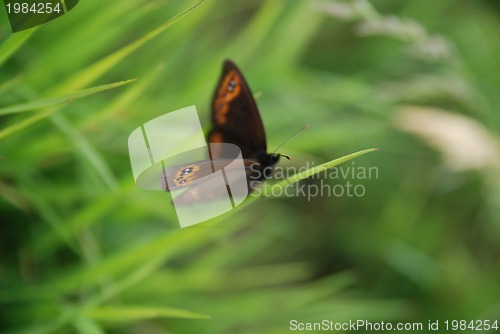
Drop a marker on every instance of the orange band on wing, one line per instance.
(228, 91)
(216, 137)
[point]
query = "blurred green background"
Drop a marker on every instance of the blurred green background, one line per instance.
(85, 251)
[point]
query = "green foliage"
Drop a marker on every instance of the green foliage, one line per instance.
(84, 250)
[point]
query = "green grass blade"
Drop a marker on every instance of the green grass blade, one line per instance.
(74, 315)
(112, 266)
(13, 43)
(87, 151)
(52, 101)
(92, 72)
(43, 114)
(50, 215)
(9, 84)
(87, 326)
(122, 102)
(135, 313)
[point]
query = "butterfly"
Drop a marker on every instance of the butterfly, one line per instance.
(235, 120)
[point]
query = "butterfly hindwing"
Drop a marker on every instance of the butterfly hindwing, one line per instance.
(175, 178)
(196, 191)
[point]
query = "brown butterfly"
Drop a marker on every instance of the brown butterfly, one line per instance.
(236, 120)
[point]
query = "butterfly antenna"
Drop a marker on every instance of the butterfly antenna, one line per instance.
(290, 138)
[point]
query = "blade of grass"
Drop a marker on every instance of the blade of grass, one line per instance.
(90, 74)
(14, 196)
(66, 98)
(87, 326)
(87, 151)
(93, 72)
(93, 213)
(81, 79)
(154, 262)
(49, 214)
(80, 277)
(134, 313)
(9, 84)
(120, 262)
(47, 112)
(13, 43)
(297, 15)
(122, 102)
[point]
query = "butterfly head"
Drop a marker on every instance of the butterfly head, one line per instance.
(271, 159)
(267, 161)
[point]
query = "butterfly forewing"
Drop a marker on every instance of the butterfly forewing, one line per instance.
(235, 116)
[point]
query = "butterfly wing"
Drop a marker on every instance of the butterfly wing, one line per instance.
(175, 178)
(235, 116)
(202, 185)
